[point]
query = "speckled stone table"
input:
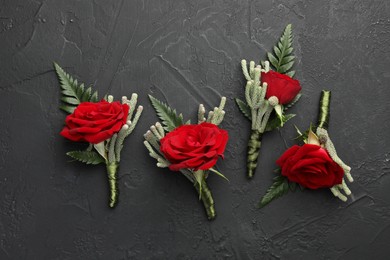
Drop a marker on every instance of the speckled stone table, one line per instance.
(186, 53)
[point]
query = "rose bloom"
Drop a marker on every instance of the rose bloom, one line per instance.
(281, 86)
(194, 146)
(311, 166)
(95, 122)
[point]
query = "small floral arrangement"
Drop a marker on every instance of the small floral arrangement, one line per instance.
(313, 165)
(103, 124)
(192, 149)
(268, 94)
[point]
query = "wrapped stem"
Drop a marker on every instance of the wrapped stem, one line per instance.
(254, 145)
(113, 185)
(323, 114)
(207, 199)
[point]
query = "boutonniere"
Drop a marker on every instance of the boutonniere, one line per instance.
(270, 90)
(313, 165)
(192, 149)
(103, 124)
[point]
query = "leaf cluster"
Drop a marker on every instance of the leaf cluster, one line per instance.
(73, 93)
(279, 187)
(88, 157)
(282, 59)
(169, 118)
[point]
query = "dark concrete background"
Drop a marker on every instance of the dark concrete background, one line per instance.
(187, 52)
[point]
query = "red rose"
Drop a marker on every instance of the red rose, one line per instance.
(194, 146)
(281, 86)
(311, 166)
(95, 122)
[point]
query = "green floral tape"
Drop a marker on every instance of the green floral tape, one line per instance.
(112, 176)
(323, 114)
(254, 145)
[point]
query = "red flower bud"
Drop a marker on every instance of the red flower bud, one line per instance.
(281, 86)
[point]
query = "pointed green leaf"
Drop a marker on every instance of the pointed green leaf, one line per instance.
(288, 51)
(287, 59)
(297, 129)
(279, 187)
(218, 173)
(72, 93)
(276, 121)
(284, 68)
(88, 157)
(280, 45)
(70, 100)
(293, 102)
(288, 117)
(274, 62)
(68, 109)
(277, 52)
(79, 90)
(244, 108)
(199, 175)
(94, 97)
(279, 112)
(291, 73)
(67, 92)
(100, 148)
(168, 116)
(86, 95)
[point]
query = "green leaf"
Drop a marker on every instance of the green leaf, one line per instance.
(67, 109)
(283, 60)
(218, 173)
(87, 94)
(244, 108)
(277, 122)
(291, 73)
(168, 116)
(73, 93)
(277, 189)
(70, 100)
(199, 176)
(293, 102)
(287, 66)
(274, 61)
(94, 97)
(100, 148)
(88, 157)
(301, 136)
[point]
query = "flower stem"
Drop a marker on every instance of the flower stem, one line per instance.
(323, 114)
(112, 176)
(254, 145)
(207, 199)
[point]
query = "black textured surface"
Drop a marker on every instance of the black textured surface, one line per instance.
(189, 52)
